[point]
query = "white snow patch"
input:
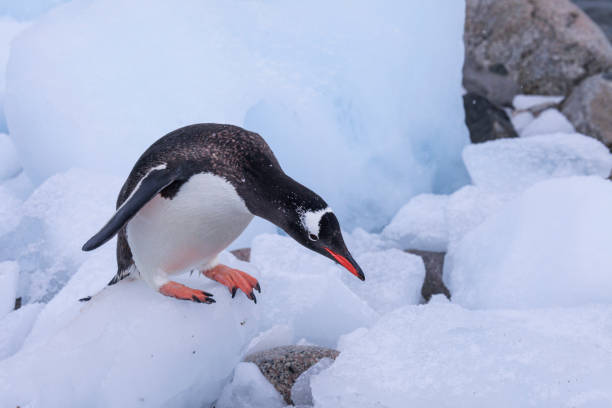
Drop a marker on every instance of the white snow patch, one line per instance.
(508, 165)
(524, 102)
(549, 247)
(276, 336)
(301, 394)
(440, 355)
(548, 122)
(9, 162)
(249, 389)
(520, 120)
(311, 220)
(9, 28)
(15, 327)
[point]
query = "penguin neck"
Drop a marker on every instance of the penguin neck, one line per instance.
(281, 200)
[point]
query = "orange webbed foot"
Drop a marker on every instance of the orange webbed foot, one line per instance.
(234, 279)
(179, 291)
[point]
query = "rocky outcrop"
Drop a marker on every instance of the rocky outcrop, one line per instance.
(589, 107)
(601, 13)
(540, 47)
(484, 120)
(283, 365)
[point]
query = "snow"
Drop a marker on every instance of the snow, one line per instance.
(550, 248)
(508, 165)
(441, 355)
(86, 89)
(276, 336)
(187, 350)
(301, 393)
(9, 275)
(420, 224)
(15, 327)
(524, 102)
(249, 389)
(549, 121)
(9, 161)
(9, 28)
(520, 120)
(27, 10)
(10, 210)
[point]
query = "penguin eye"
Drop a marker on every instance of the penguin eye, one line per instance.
(313, 237)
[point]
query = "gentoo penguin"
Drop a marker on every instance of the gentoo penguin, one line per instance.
(193, 192)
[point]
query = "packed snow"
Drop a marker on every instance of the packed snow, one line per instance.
(527, 259)
(82, 80)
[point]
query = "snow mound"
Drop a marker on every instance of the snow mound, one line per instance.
(249, 389)
(9, 275)
(549, 247)
(310, 82)
(15, 327)
(9, 28)
(420, 224)
(10, 211)
(55, 222)
(303, 290)
(508, 165)
(9, 162)
(185, 350)
(549, 121)
(440, 355)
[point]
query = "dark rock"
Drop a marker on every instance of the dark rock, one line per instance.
(17, 303)
(541, 47)
(243, 254)
(434, 267)
(600, 12)
(485, 120)
(589, 108)
(283, 365)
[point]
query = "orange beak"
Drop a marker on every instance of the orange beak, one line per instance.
(346, 263)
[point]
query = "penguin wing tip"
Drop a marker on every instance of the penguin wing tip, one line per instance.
(88, 246)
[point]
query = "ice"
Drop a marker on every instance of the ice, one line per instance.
(15, 327)
(303, 290)
(56, 220)
(9, 162)
(301, 394)
(521, 119)
(441, 355)
(249, 389)
(393, 279)
(9, 275)
(549, 121)
(523, 102)
(130, 346)
(276, 336)
(351, 113)
(549, 247)
(10, 211)
(9, 28)
(508, 165)
(420, 224)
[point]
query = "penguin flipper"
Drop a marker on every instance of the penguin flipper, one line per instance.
(152, 183)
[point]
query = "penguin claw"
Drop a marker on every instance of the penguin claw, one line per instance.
(257, 287)
(234, 290)
(252, 297)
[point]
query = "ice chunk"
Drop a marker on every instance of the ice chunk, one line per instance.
(9, 28)
(323, 91)
(302, 289)
(9, 275)
(393, 279)
(420, 224)
(301, 394)
(549, 247)
(9, 162)
(249, 389)
(276, 336)
(549, 121)
(520, 120)
(508, 165)
(15, 327)
(57, 219)
(441, 355)
(469, 207)
(523, 102)
(131, 346)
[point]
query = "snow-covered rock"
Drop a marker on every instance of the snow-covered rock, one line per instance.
(549, 247)
(420, 224)
(548, 122)
(249, 389)
(311, 83)
(130, 346)
(9, 276)
(441, 355)
(303, 290)
(509, 165)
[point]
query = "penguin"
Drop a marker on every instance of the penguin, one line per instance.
(193, 192)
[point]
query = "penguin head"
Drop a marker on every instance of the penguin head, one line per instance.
(319, 231)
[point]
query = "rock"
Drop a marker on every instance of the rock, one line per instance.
(588, 107)
(601, 13)
(283, 365)
(434, 267)
(485, 120)
(243, 254)
(543, 47)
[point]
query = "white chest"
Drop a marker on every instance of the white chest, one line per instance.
(189, 230)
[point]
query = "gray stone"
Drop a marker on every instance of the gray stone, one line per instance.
(486, 121)
(541, 47)
(600, 12)
(434, 267)
(243, 254)
(283, 365)
(589, 107)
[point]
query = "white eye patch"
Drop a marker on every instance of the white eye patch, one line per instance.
(311, 220)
